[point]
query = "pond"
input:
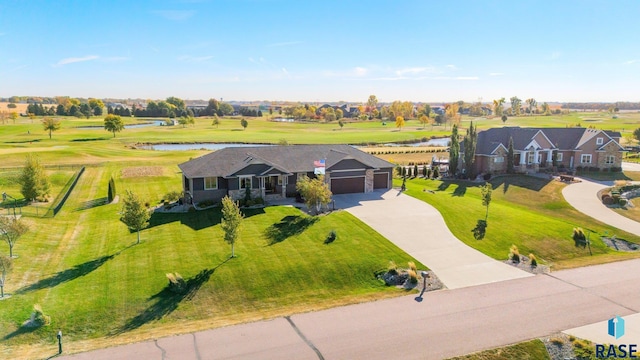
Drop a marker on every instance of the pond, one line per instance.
(196, 146)
(131, 126)
(432, 142)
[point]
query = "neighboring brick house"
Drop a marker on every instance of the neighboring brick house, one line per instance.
(534, 149)
(271, 172)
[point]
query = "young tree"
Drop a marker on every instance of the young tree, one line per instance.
(11, 230)
(372, 104)
(636, 134)
(111, 194)
(470, 141)
(515, 105)
(113, 123)
(216, 121)
(244, 123)
(424, 120)
(504, 118)
(231, 222)
(341, 124)
(510, 158)
(315, 192)
(399, 122)
(134, 214)
(33, 181)
(498, 106)
(6, 265)
(454, 151)
(486, 198)
(50, 125)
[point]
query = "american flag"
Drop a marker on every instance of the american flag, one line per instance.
(319, 163)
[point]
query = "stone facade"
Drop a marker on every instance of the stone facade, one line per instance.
(609, 150)
(368, 180)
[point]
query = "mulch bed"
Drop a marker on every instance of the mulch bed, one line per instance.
(620, 244)
(525, 265)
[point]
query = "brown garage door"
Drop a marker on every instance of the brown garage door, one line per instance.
(347, 185)
(381, 181)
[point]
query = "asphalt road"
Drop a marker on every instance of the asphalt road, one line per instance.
(444, 324)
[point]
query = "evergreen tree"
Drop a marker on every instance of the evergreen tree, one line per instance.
(112, 190)
(454, 151)
(424, 171)
(510, 158)
(470, 141)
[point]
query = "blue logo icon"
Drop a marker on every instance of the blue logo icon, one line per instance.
(616, 327)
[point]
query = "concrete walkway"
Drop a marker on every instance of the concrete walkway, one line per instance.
(419, 229)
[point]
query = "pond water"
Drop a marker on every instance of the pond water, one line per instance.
(131, 126)
(432, 142)
(218, 146)
(196, 146)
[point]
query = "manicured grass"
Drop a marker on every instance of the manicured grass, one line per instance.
(530, 350)
(526, 211)
(84, 270)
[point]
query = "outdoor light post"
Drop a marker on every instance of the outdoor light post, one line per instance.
(59, 342)
(15, 202)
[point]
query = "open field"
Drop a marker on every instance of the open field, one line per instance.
(525, 211)
(80, 266)
(84, 270)
(20, 108)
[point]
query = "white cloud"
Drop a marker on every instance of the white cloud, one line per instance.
(496, 74)
(631, 62)
(286, 43)
(194, 59)
(451, 67)
(175, 15)
(72, 60)
(556, 55)
(467, 78)
(284, 71)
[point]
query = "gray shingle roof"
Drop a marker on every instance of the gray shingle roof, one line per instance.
(561, 138)
(293, 159)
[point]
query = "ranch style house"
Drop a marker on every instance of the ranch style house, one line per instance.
(535, 149)
(271, 172)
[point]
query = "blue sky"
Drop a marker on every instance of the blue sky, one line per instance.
(322, 50)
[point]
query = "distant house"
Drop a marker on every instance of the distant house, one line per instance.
(271, 172)
(534, 149)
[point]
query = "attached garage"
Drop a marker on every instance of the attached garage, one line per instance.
(381, 181)
(347, 185)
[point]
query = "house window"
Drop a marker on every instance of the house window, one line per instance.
(279, 179)
(210, 183)
(245, 182)
(599, 141)
(559, 156)
(499, 159)
(610, 159)
(585, 159)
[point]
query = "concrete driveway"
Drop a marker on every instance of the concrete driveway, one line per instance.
(583, 196)
(419, 229)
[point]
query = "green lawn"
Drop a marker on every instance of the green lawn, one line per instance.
(530, 350)
(99, 288)
(526, 211)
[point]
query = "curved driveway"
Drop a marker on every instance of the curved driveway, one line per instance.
(583, 197)
(418, 228)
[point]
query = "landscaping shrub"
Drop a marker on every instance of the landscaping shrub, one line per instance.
(415, 170)
(177, 285)
(424, 171)
(622, 202)
(206, 203)
(480, 230)
(436, 172)
(39, 317)
(172, 196)
(412, 266)
(331, 237)
(486, 176)
(579, 237)
(392, 268)
(247, 195)
(557, 341)
(534, 261)
(514, 254)
(413, 276)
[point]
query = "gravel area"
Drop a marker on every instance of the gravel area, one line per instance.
(620, 244)
(525, 265)
(558, 346)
